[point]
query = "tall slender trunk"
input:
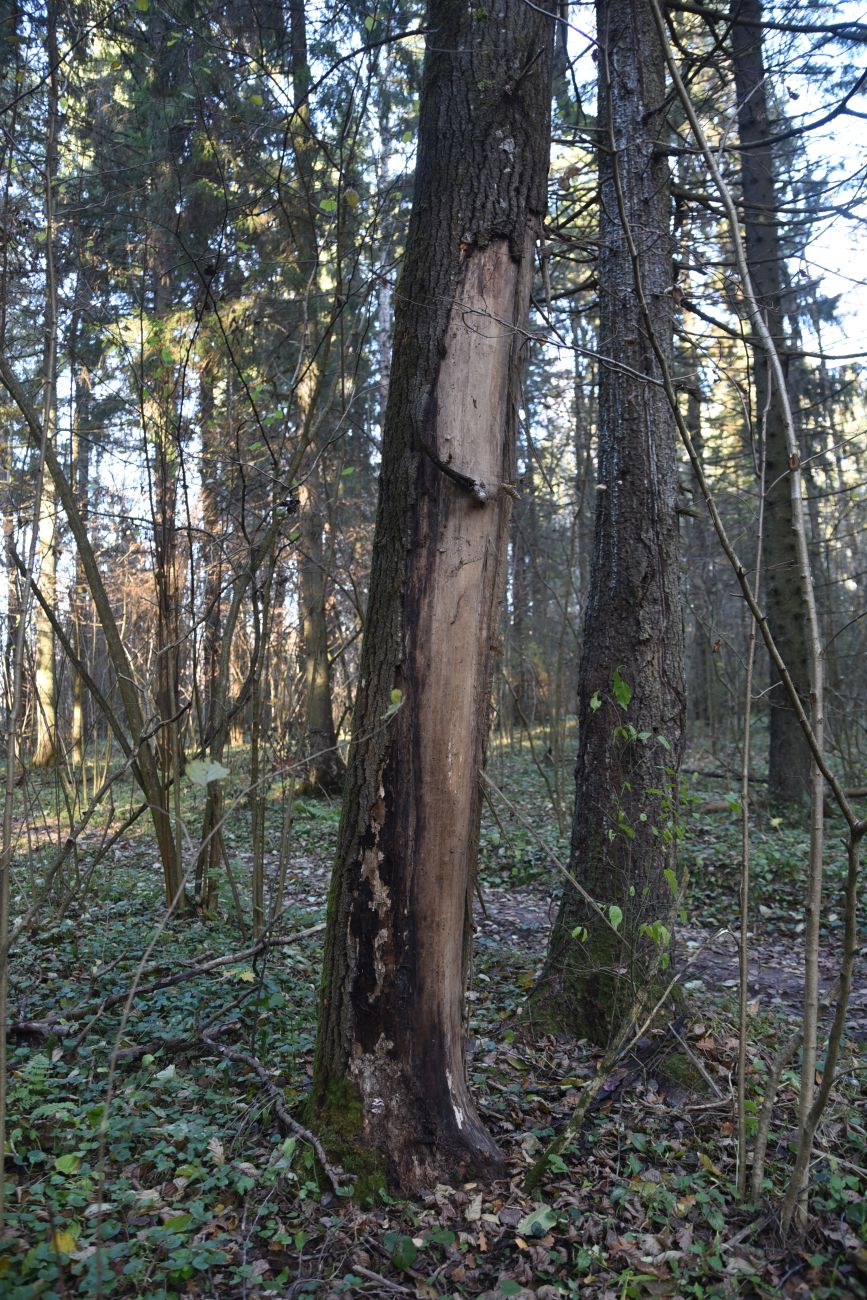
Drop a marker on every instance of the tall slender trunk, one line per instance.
(213, 492)
(323, 766)
(789, 755)
(45, 682)
(80, 466)
(390, 1072)
(530, 682)
(7, 454)
(631, 695)
(215, 682)
(166, 577)
(585, 480)
(521, 704)
(384, 293)
(132, 741)
(13, 612)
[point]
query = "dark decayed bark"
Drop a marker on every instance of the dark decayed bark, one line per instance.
(788, 756)
(625, 825)
(390, 1072)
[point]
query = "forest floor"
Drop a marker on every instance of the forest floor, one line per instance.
(776, 968)
(142, 1162)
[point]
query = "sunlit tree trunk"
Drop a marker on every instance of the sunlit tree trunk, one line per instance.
(520, 678)
(631, 694)
(215, 683)
(12, 609)
(80, 477)
(45, 752)
(165, 443)
(324, 769)
(7, 455)
(397, 944)
(45, 684)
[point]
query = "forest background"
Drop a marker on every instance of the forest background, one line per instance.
(227, 293)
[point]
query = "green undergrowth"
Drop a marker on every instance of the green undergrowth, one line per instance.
(779, 860)
(142, 1163)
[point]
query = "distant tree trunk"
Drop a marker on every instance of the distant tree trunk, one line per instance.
(7, 454)
(631, 694)
(214, 496)
(386, 250)
(238, 652)
(216, 685)
(521, 703)
(45, 701)
(12, 605)
(530, 700)
(45, 684)
(166, 576)
(390, 1074)
(585, 482)
(81, 434)
(323, 766)
(789, 756)
(163, 426)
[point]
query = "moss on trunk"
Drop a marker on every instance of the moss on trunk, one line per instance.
(339, 1117)
(396, 946)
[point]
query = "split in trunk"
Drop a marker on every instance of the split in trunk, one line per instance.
(390, 1083)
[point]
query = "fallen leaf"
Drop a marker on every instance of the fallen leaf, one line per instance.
(473, 1212)
(216, 1150)
(706, 1163)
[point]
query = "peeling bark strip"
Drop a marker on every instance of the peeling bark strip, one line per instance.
(623, 834)
(397, 941)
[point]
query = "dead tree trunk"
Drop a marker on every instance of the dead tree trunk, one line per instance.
(390, 1077)
(631, 694)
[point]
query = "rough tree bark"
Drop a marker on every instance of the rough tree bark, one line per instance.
(390, 1074)
(788, 756)
(631, 694)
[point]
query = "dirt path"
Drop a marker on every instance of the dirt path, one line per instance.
(523, 919)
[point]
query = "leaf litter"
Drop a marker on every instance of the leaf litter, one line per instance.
(187, 1186)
